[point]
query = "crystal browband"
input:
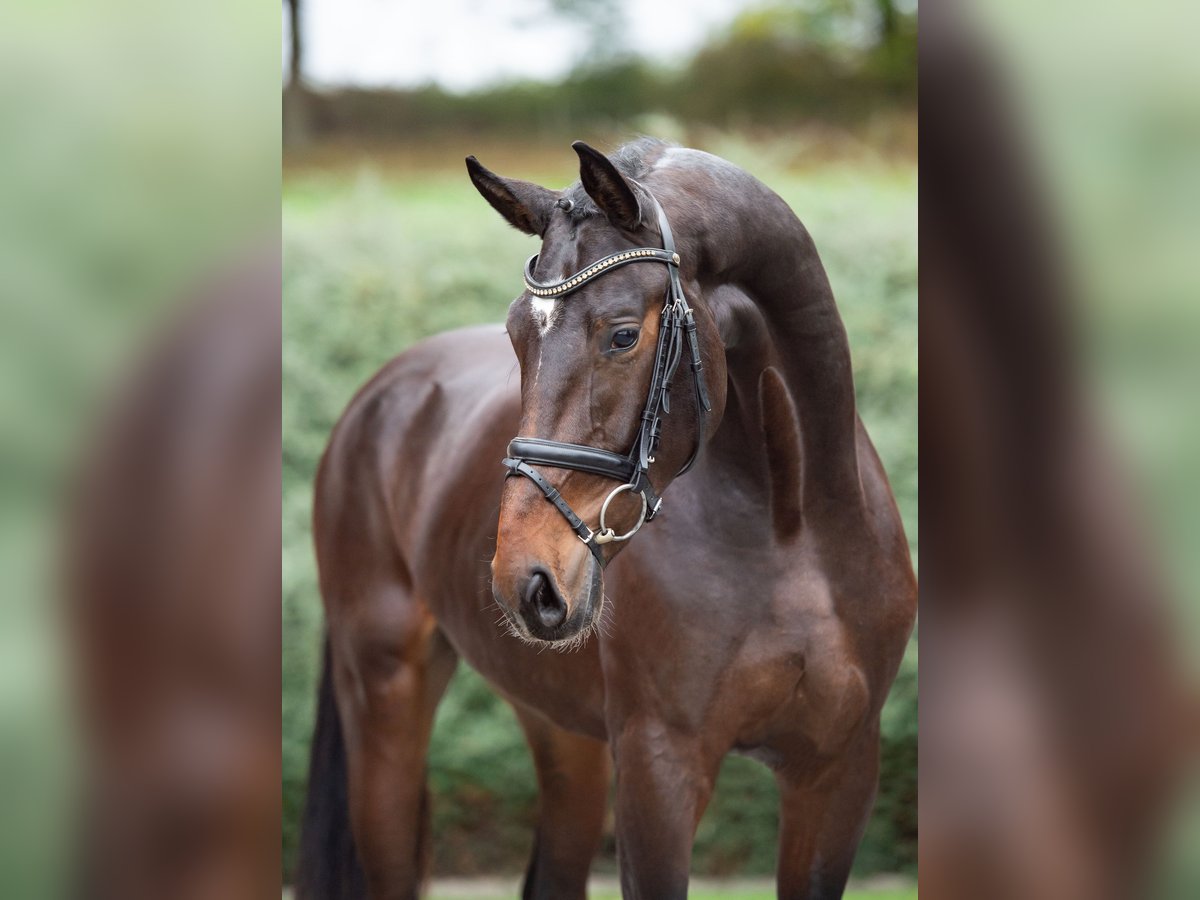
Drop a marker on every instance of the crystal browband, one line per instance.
(579, 279)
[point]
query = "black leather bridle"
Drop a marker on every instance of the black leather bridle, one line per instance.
(633, 468)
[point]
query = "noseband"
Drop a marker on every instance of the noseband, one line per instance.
(632, 469)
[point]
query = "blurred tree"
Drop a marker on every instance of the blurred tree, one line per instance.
(783, 60)
(295, 67)
(605, 23)
(893, 60)
(297, 123)
(888, 20)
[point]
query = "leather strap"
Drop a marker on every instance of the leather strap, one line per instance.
(562, 455)
(703, 405)
(518, 467)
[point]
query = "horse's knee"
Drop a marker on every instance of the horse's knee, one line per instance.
(394, 658)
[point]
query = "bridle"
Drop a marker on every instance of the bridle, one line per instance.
(633, 468)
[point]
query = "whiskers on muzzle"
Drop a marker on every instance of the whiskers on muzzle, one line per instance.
(543, 618)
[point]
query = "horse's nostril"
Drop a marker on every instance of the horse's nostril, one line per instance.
(544, 602)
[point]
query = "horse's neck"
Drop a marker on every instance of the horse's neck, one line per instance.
(750, 239)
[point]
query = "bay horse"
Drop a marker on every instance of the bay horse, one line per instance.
(762, 608)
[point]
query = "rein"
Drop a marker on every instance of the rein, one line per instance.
(632, 469)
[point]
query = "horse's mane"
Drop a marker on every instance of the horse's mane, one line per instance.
(634, 159)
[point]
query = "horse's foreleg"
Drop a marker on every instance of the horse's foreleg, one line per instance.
(664, 782)
(572, 773)
(822, 817)
(397, 667)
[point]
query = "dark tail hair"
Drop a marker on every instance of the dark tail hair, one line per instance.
(328, 867)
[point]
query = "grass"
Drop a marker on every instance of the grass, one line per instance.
(739, 895)
(734, 893)
(907, 893)
(886, 894)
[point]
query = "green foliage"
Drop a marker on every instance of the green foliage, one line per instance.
(739, 830)
(375, 260)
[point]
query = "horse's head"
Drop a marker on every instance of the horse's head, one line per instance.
(587, 360)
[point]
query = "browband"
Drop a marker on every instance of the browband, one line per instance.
(579, 279)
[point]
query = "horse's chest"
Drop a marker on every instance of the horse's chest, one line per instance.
(797, 685)
(742, 675)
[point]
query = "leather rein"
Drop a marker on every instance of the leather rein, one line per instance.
(677, 328)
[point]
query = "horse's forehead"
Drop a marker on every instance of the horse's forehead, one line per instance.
(571, 243)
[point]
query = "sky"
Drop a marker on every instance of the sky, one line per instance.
(466, 44)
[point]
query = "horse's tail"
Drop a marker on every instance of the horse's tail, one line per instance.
(328, 868)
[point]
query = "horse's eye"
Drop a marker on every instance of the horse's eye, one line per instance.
(624, 339)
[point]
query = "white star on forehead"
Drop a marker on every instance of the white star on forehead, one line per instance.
(545, 312)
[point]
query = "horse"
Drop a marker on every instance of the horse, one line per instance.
(677, 330)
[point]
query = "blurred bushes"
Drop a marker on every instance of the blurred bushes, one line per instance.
(776, 65)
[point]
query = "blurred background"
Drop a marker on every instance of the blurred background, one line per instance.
(386, 242)
(1059, 437)
(139, 168)
(140, 172)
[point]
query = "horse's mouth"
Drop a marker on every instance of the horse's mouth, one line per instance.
(575, 629)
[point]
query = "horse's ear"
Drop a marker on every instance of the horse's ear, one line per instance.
(524, 205)
(781, 433)
(613, 194)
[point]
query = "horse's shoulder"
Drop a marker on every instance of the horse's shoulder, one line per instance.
(410, 407)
